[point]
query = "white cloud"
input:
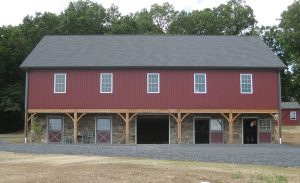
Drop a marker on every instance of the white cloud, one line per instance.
(13, 11)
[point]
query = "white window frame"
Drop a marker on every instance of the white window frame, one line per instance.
(62, 74)
(263, 128)
(241, 84)
(111, 85)
(158, 83)
(205, 84)
(295, 115)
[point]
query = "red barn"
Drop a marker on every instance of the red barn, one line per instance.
(290, 113)
(153, 89)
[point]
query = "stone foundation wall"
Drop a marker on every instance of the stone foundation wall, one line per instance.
(87, 123)
(173, 131)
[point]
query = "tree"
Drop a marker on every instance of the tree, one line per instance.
(272, 36)
(145, 23)
(232, 18)
(84, 17)
(290, 40)
(12, 53)
(163, 15)
(124, 25)
(34, 28)
(197, 22)
(112, 14)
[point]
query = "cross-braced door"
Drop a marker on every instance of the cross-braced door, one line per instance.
(216, 131)
(55, 130)
(265, 130)
(103, 130)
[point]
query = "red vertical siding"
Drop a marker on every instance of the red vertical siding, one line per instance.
(130, 90)
(286, 121)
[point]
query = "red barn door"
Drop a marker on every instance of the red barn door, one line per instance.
(55, 128)
(103, 130)
(216, 131)
(265, 130)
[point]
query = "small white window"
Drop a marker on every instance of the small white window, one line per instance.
(106, 83)
(60, 80)
(199, 83)
(264, 124)
(153, 83)
(103, 124)
(293, 115)
(216, 125)
(246, 83)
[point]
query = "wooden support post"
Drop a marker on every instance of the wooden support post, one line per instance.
(75, 122)
(179, 128)
(179, 120)
(127, 128)
(230, 119)
(127, 120)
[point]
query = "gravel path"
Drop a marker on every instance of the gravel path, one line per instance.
(278, 155)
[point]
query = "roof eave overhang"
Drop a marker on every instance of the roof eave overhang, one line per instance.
(158, 67)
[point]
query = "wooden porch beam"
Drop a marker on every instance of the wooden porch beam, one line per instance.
(159, 111)
(185, 116)
(81, 116)
(70, 116)
(31, 117)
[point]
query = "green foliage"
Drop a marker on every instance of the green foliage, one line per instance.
(284, 40)
(12, 53)
(232, 18)
(163, 15)
(124, 25)
(290, 40)
(34, 28)
(36, 128)
(270, 178)
(84, 17)
(145, 23)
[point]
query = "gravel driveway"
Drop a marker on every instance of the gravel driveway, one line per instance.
(278, 155)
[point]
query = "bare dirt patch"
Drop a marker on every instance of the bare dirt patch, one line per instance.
(291, 135)
(67, 168)
(14, 138)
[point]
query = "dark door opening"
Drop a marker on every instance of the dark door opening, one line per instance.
(201, 131)
(250, 130)
(152, 130)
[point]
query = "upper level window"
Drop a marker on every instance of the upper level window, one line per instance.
(246, 83)
(106, 83)
(60, 82)
(293, 115)
(199, 83)
(153, 83)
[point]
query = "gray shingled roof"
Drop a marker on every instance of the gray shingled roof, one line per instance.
(152, 51)
(290, 105)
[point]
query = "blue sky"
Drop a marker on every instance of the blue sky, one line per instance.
(12, 12)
